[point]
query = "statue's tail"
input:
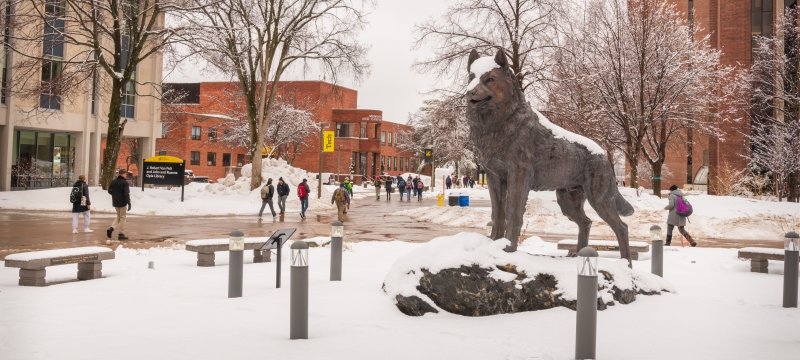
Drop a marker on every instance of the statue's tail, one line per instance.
(624, 208)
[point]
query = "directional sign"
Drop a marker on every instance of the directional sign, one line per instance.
(428, 156)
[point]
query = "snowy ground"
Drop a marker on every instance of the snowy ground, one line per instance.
(720, 310)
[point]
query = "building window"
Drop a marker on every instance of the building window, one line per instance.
(383, 137)
(239, 159)
(53, 53)
(342, 130)
(164, 130)
(226, 159)
(6, 40)
(211, 159)
(761, 16)
(194, 158)
(389, 139)
(226, 135)
(212, 134)
(162, 153)
(195, 133)
(363, 133)
(128, 99)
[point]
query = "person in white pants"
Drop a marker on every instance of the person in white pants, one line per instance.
(81, 205)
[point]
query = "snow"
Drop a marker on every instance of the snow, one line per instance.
(204, 242)
(760, 250)
(561, 133)
(602, 242)
(46, 254)
(479, 67)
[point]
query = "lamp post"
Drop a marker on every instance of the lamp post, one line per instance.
(337, 234)
(298, 294)
(586, 328)
(657, 261)
(790, 269)
(489, 226)
(236, 255)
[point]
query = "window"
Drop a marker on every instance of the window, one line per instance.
(195, 133)
(195, 158)
(383, 137)
(226, 134)
(162, 153)
(212, 134)
(226, 159)
(164, 130)
(128, 99)
(342, 130)
(53, 53)
(761, 16)
(239, 159)
(394, 163)
(363, 133)
(389, 139)
(6, 41)
(212, 159)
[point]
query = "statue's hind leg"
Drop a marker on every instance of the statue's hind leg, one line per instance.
(605, 205)
(571, 203)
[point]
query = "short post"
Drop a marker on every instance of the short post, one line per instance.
(337, 235)
(790, 269)
(586, 332)
(236, 251)
(657, 260)
(489, 226)
(298, 293)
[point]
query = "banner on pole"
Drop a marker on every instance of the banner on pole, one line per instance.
(327, 142)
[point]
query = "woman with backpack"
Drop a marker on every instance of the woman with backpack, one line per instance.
(79, 197)
(673, 219)
(410, 187)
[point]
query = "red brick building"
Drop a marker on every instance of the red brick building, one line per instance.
(364, 143)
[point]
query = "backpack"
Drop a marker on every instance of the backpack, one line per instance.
(339, 196)
(401, 184)
(301, 191)
(682, 207)
(420, 185)
(75, 194)
(264, 191)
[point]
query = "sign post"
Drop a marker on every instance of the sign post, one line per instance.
(429, 160)
(164, 170)
(326, 143)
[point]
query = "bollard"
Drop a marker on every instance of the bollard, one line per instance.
(235, 266)
(298, 293)
(151, 265)
(790, 269)
(657, 260)
(337, 235)
(586, 314)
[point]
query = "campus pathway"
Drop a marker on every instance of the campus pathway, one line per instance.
(368, 219)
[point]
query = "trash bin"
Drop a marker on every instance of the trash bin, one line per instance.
(452, 200)
(440, 200)
(463, 200)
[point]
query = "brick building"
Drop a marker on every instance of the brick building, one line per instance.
(731, 24)
(365, 144)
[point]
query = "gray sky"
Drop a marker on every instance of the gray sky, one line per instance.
(392, 86)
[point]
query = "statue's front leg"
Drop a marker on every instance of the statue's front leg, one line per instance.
(497, 196)
(517, 197)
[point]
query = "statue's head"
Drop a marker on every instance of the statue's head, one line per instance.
(492, 89)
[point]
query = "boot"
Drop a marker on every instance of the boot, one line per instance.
(109, 231)
(691, 241)
(669, 240)
(122, 237)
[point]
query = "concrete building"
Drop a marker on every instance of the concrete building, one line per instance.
(365, 144)
(48, 141)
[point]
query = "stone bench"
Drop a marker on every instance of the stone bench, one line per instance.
(205, 249)
(605, 245)
(759, 257)
(32, 264)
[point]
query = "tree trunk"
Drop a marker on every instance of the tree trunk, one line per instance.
(656, 181)
(114, 136)
(793, 187)
(634, 173)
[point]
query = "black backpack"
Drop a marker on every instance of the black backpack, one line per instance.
(75, 194)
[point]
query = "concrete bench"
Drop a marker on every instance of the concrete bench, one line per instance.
(759, 257)
(605, 245)
(205, 249)
(32, 264)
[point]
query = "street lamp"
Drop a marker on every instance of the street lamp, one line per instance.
(586, 324)
(337, 234)
(791, 246)
(657, 260)
(298, 294)
(235, 266)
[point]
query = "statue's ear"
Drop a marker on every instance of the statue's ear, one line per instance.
(500, 58)
(473, 55)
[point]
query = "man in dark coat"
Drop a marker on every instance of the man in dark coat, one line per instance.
(121, 200)
(283, 193)
(81, 206)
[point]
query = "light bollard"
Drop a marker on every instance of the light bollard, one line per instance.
(586, 314)
(657, 260)
(236, 257)
(337, 235)
(790, 269)
(298, 293)
(489, 226)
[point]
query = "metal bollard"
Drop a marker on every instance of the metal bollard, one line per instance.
(657, 260)
(298, 293)
(236, 265)
(337, 235)
(586, 314)
(790, 269)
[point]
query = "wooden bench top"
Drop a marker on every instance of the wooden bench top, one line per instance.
(761, 253)
(604, 245)
(41, 259)
(211, 245)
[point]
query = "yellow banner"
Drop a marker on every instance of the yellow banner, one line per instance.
(164, 159)
(327, 142)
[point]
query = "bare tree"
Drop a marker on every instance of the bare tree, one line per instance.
(525, 29)
(442, 124)
(256, 41)
(106, 39)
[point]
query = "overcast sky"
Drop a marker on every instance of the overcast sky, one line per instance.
(392, 86)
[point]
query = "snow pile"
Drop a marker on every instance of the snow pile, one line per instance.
(474, 249)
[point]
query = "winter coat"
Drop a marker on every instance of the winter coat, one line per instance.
(120, 192)
(77, 207)
(346, 200)
(388, 184)
(673, 218)
(283, 189)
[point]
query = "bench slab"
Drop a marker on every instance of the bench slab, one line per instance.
(604, 245)
(205, 249)
(32, 264)
(759, 257)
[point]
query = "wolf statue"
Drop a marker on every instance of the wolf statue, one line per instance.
(521, 150)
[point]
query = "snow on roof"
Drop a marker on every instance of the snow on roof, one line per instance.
(479, 67)
(561, 133)
(46, 254)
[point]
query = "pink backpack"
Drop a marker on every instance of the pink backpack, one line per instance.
(682, 207)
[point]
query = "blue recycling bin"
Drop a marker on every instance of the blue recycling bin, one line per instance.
(463, 200)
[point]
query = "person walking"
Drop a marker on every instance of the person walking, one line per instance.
(420, 187)
(283, 193)
(121, 200)
(348, 185)
(673, 219)
(267, 192)
(378, 188)
(302, 192)
(342, 199)
(401, 186)
(388, 186)
(410, 187)
(80, 205)
(448, 182)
